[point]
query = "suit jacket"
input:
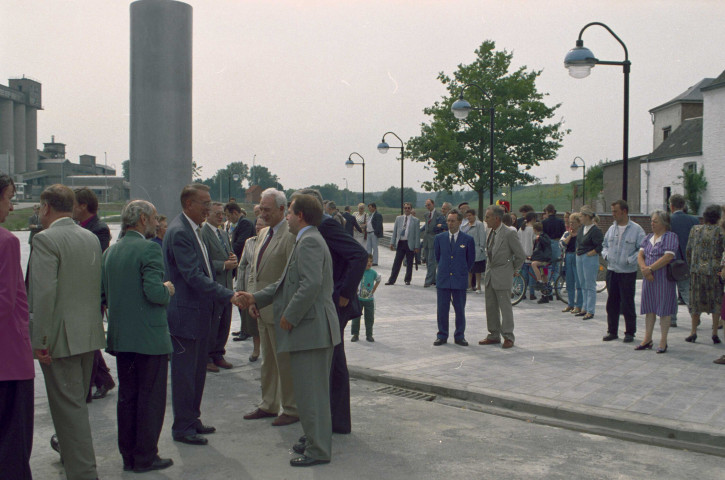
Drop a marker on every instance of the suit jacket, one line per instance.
(272, 263)
(303, 295)
(243, 231)
(351, 224)
(376, 219)
(244, 269)
(132, 287)
(65, 290)
(454, 265)
(504, 258)
(681, 224)
(413, 231)
(100, 230)
(16, 356)
(349, 260)
(429, 226)
(218, 254)
(190, 309)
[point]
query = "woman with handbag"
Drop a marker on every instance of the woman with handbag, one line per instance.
(659, 292)
(704, 254)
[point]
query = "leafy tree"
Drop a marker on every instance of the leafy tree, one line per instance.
(695, 185)
(329, 191)
(594, 182)
(126, 169)
(391, 197)
(260, 175)
(523, 132)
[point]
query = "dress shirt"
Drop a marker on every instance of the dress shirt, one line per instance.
(197, 231)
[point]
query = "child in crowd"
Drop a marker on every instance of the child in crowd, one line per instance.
(370, 281)
(541, 255)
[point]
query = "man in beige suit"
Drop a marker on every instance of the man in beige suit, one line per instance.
(505, 256)
(66, 327)
(272, 249)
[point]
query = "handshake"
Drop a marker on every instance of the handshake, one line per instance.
(245, 300)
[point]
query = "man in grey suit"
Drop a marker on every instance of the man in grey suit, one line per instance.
(505, 256)
(433, 224)
(66, 327)
(405, 242)
(307, 326)
(223, 262)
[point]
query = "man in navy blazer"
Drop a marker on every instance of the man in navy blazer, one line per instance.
(680, 224)
(455, 253)
(189, 311)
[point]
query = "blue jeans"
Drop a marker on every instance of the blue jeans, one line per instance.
(528, 274)
(573, 286)
(587, 268)
(555, 263)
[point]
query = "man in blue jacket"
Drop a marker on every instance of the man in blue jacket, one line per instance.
(681, 223)
(455, 253)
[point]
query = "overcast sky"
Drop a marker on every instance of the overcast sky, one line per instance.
(304, 83)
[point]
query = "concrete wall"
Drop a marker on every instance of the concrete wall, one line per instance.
(667, 117)
(7, 136)
(31, 139)
(713, 145)
(161, 76)
(19, 136)
(613, 185)
(663, 174)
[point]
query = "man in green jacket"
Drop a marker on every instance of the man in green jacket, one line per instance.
(135, 294)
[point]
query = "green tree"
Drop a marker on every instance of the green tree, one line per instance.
(260, 175)
(695, 185)
(594, 182)
(524, 134)
(329, 191)
(222, 184)
(391, 197)
(126, 169)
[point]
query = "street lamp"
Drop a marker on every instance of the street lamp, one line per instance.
(350, 164)
(383, 148)
(580, 61)
(234, 177)
(574, 166)
(461, 108)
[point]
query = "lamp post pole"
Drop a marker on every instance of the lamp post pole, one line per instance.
(383, 148)
(580, 61)
(574, 166)
(461, 109)
(350, 164)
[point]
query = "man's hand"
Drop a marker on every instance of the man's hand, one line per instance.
(242, 299)
(284, 324)
(416, 250)
(254, 311)
(43, 357)
(170, 287)
(391, 247)
(343, 302)
(230, 264)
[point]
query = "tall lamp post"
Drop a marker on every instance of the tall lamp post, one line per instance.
(461, 108)
(580, 61)
(383, 148)
(350, 164)
(574, 166)
(234, 177)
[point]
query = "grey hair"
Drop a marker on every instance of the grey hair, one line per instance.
(132, 212)
(279, 197)
(663, 216)
(496, 211)
(308, 191)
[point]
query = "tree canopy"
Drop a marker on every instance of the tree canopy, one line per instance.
(524, 135)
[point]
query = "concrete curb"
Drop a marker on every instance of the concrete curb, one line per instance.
(602, 421)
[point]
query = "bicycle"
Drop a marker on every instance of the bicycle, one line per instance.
(520, 284)
(560, 287)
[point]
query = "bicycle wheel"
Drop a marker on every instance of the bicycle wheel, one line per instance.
(560, 290)
(518, 288)
(602, 276)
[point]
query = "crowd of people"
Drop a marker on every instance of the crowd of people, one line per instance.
(298, 272)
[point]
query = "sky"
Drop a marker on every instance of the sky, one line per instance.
(301, 84)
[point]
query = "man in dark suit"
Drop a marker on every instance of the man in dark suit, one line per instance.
(433, 224)
(85, 212)
(349, 261)
(455, 253)
(681, 223)
(374, 230)
(307, 327)
(350, 222)
(241, 229)
(223, 262)
(189, 312)
(406, 243)
(133, 289)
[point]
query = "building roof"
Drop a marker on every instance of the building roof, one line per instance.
(719, 82)
(691, 95)
(685, 141)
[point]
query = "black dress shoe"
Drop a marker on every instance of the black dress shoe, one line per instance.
(439, 342)
(158, 464)
(389, 283)
(191, 439)
(299, 448)
(628, 338)
(54, 443)
(305, 461)
(205, 429)
(407, 283)
(302, 439)
(462, 342)
(236, 334)
(102, 391)
(609, 337)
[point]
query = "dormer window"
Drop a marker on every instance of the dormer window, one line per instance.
(666, 132)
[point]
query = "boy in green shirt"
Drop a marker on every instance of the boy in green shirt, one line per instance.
(369, 283)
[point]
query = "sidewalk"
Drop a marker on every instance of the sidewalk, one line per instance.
(559, 367)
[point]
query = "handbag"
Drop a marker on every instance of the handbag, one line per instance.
(678, 270)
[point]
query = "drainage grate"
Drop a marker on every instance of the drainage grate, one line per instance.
(401, 392)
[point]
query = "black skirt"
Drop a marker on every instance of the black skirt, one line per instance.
(479, 267)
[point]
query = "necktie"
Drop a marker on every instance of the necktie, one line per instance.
(405, 226)
(264, 247)
(219, 234)
(490, 242)
(453, 241)
(203, 251)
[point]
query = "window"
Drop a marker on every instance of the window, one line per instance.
(666, 132)
(667, 195)
(690, 166)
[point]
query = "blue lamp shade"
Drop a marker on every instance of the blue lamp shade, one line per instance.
(580, 61)
(383, 147)
(349, 163)
(574, 166)
(461, 108)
